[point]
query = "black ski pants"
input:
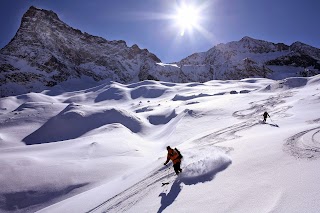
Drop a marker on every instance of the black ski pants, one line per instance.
(177, 168)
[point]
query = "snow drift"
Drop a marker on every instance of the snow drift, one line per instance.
(102, 149)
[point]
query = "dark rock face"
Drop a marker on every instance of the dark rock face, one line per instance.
(296, 60)
(56, 52)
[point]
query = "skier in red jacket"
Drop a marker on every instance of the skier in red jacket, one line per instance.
(175, 157)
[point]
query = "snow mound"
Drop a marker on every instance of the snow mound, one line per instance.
(142, 83)
(148, 92)
(76, 120)
(194, 84)
(203, 165)
(78, 98)
(250, 80)
(36, 97)
(34, 106)
(2, 139)
(168, 84)
(112, 93)
(164, 118)
(288, 83)
(8, 104)
(189, 97)
(314, 80)
(12, 103)
(34, 197)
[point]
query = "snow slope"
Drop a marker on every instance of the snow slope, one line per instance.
(102, 149)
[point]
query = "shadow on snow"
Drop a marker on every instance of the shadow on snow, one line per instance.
(24, 199)
(169, 198)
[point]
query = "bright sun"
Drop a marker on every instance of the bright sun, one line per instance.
(187, 17)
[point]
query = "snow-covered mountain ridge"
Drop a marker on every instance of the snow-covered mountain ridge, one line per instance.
(46, 52)
(256, 58)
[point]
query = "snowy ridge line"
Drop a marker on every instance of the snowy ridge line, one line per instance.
(115, 201)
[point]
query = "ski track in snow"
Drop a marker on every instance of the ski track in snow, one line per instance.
(305, 144)
(132, 195)
(197, 170)
(135, 193)
(254, 113)
(269, 104)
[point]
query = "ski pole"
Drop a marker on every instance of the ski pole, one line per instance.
(168, 169)
(274, 123)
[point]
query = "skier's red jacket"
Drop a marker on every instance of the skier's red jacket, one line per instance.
(174, 156)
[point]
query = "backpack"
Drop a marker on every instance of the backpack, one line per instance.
(180, 156)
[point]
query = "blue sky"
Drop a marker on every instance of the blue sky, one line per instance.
(141, 22)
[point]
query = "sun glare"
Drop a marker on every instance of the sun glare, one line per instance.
(187, 18)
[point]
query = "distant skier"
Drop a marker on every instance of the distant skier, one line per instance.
(175, 156)
(265, 115)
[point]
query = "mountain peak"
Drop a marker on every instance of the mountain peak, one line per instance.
(252, 45)
(298, 44)
(50, 52)
(34, 12)
(306, 49)
(247, 38)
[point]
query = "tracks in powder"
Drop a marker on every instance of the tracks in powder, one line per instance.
(125, 200)
(305, 144)
(131, 196)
